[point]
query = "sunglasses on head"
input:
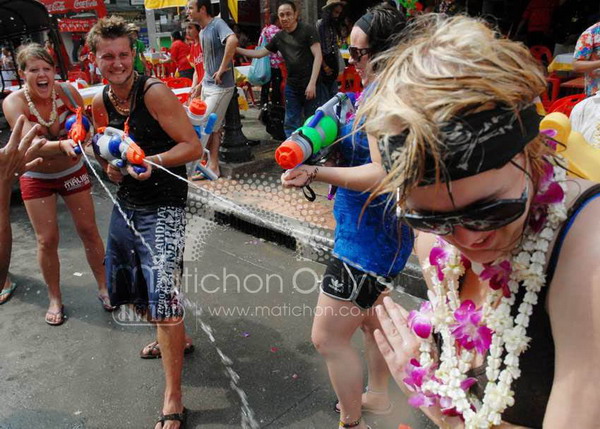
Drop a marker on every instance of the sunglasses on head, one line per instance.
(357, 53)
(486, 216)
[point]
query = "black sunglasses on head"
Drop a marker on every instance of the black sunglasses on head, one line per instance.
(357, 53)
(486, 216)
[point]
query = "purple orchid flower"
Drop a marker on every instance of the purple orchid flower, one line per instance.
(553, 194)
(416, 376)
(438, 258)
(537, 218)
(498, 275)
(421, 321)
(552, 134)
(468, 331)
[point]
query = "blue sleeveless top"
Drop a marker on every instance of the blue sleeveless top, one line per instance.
(375, 242)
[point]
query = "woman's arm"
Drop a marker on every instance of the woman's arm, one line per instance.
(361, 178)
(14, 107)
(573, 305)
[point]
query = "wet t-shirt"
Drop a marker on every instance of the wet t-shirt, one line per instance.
(295, 50)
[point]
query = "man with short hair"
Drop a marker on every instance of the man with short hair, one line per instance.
(144, 265)
(218, 44)
(299, 45)
(587, 58)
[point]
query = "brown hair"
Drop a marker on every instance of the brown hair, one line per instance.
(112, 27)
(445, 67)
(33, 51)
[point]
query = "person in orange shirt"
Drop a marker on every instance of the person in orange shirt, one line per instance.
(179, 55)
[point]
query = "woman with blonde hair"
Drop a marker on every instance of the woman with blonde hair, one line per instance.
(508, 244)
(62, 173)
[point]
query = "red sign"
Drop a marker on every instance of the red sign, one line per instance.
(75, 25)
(64, 6)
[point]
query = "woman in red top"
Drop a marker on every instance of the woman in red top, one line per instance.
(179, 55)
(195, 58)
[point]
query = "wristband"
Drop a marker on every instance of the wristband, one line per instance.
(159, 159)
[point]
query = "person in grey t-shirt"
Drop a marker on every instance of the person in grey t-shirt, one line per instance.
(218, 86)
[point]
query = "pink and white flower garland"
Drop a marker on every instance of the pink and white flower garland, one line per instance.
(466, 330)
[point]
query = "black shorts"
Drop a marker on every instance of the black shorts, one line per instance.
(346, 283)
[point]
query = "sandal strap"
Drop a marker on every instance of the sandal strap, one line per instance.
(349, 425)
(179, 417)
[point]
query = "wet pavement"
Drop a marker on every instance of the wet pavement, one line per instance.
(251, 296)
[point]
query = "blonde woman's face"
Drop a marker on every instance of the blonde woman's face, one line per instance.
(39, 77)
(507, 182)
(359, 39)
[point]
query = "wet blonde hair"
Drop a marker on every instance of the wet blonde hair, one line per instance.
(33, 51)
(444, 67)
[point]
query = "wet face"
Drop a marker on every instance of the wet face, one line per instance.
(287, 17)
(507, 182)
(360, 40)
(114, 58)
(39, 77)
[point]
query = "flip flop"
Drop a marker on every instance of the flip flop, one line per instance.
(8, 292)
(105, 300)
(369, 410)
(154, 351)
(61, 312)
(178, 417)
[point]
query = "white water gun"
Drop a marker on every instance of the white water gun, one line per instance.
(203, 125)
(118, 149)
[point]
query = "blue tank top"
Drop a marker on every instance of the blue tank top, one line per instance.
(375, 242)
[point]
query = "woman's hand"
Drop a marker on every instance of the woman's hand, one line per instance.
(396, 341)
(67, 147)
(298, 177)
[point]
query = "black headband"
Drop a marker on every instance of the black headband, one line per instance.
(474, 143)
(364, 22)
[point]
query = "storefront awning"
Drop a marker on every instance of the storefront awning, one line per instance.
(19, 17)
(65, 6)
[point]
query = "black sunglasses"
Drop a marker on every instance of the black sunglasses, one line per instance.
(485, 216)
(357, 53)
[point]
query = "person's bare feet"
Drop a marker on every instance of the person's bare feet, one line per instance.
(7, 290)
(172, 406)
(55, 314)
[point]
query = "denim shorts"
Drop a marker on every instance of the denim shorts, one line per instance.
(145, 269)
(346, 283)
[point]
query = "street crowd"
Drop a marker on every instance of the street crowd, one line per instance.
(443, 159)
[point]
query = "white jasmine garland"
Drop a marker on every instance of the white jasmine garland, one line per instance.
(36, 113)
(509, 336)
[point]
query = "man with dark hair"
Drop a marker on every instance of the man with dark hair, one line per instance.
(218, 44)
(300, 48)
(144, 266)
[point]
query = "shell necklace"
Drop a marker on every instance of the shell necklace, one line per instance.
(118, 102)
(36, 113)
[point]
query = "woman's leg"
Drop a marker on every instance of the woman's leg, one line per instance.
(376, 397)
(334, 324)
(81, 206)
(42, 213)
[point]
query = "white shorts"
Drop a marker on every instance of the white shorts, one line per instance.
(217, 100)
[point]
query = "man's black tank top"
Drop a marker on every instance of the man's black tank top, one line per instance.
(533, 388)
(161, 189)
